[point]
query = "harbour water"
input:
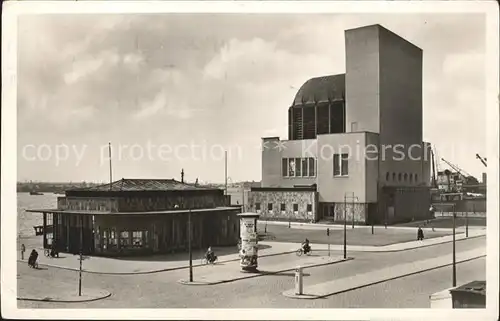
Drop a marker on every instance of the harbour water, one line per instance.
(26, 220)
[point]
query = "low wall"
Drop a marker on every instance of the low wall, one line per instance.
(348, 210)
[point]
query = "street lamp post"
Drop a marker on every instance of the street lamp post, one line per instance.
(454, 258)
(345, 227)
(81, 258)
(190, 248)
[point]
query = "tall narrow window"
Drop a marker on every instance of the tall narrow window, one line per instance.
(257, 207)
(305, 170)
(283, 207)
(312, 167)
(298, 169)
(295, 208)
(340, 165)
(284, 167)
(270, 206)
(291, 167)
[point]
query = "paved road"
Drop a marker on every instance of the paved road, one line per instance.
(356, 236)
(161, 290)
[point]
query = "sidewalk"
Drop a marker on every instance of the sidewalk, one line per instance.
(145, 265)
(48, 291)
(361, 280)
(231, 271)
(389, 248)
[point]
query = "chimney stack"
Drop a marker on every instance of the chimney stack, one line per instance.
(182, 175)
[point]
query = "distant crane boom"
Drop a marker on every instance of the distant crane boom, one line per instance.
(456, 168)
(483, 160)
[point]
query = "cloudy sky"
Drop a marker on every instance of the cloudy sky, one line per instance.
(214, 82)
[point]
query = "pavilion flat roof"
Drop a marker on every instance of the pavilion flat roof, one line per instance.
(199, 210)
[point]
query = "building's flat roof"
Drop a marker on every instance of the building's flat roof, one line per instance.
(199, 210)
(478, 287)
(142, 185)
(284, 189)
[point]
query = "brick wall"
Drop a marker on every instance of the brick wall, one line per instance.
(289, 198)
(360, 211)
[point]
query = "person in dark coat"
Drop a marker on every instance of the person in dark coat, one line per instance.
(420, 234)
(32, 259)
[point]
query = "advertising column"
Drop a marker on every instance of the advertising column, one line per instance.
(249, 241)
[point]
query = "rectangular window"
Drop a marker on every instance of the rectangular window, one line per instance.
(340, 165)
(305, 171)
(124, 238)
(283, 207)
(291, 167)
(257, 206)
(49, 221)
(112, 238)
(312, 167)
(269, 206)
(284, 167)
(309, 208)
(137, 238)
(295, 207)
(298, 164)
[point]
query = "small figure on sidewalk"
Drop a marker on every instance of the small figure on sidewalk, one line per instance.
(420, 234)
(32, 259)
(23, 249)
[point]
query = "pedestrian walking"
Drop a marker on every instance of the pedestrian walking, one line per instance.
(23, 249)
(420, 234)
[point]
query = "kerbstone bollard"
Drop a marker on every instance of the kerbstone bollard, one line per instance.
(299, 286)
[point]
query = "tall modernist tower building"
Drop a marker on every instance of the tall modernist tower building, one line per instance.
(354, 143)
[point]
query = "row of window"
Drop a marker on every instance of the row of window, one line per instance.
(306, 167)
(127, 239)
(270, 207)
(401, 177)
(298, 167)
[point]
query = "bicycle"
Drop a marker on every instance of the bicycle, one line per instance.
(47, 253)
(300, 251)
(204, 261)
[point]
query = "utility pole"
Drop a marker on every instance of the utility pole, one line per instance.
(110, 168)
(345, 227)
(225, 170)
(328, 234)
(353, 210)
(81, 257)
(454, 258)
(190, 249)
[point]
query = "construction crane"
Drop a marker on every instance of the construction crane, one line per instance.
(457, 169)
(483, 160)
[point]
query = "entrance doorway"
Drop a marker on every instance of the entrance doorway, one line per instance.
(328, 211)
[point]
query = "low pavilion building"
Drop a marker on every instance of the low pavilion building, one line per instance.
(140, 216)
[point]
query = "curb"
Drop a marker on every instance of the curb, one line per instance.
(255, 275)
(312, 296)
(146, 272)
(105, 295)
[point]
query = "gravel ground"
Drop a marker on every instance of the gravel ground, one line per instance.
(161, 290)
